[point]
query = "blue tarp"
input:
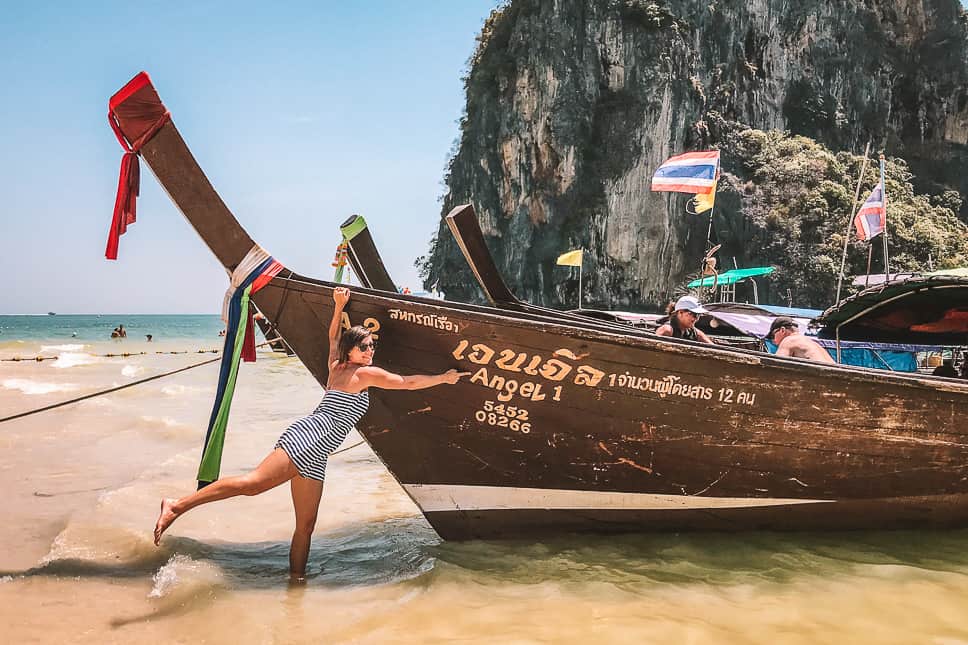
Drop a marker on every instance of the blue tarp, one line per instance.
(897, 361)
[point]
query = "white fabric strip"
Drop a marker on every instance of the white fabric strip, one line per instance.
(442, 497)
(252, 259)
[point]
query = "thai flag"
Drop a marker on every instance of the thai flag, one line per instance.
(871, 218)
(692, 172)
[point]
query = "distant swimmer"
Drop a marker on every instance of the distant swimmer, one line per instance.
(785, 333)
(116, 333)
(302, 451)
(148, 337)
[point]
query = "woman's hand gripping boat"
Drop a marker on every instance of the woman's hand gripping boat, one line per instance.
(568, 425)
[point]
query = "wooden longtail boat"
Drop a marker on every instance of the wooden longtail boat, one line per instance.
(576, 425)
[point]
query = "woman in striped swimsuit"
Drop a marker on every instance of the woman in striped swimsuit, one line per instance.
(300, 454)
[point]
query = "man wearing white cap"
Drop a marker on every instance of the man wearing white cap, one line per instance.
(682, 321)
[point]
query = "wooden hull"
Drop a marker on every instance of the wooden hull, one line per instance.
(572, 426)
(569, 429)
(938, 512)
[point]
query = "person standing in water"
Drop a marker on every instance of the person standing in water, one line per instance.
(301, 453)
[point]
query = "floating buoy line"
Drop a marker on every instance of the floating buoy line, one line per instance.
(133, 383)
(107, 391)
(17, 359)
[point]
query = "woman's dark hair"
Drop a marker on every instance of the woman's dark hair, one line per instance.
(350, 339)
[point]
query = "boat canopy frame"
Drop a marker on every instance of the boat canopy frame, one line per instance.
(869, 302)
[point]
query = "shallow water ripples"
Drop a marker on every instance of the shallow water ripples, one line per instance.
(377, 572)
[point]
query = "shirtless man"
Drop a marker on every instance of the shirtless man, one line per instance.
(790, 342)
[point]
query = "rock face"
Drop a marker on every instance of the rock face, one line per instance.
(572, 105)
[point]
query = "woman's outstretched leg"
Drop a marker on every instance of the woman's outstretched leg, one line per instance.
(305, 499)
(275, 469)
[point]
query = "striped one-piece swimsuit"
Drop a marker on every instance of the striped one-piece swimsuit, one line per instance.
(310, 440)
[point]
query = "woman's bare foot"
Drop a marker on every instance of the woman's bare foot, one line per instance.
(165, 518)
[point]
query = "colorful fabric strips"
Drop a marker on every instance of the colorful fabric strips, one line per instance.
(339, 262)
(691, 172)
(871, 218)
(239, 344)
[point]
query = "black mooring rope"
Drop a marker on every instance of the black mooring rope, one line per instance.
(139, 382)
(108, 391)
(120, 387)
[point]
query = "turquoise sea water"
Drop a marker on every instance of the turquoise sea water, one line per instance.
(95, 328)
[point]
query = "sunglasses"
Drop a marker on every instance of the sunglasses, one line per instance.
(365, 347)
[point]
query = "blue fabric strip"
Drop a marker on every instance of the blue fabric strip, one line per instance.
(231, 330)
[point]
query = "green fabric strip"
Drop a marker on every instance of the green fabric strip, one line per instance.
(208, 469)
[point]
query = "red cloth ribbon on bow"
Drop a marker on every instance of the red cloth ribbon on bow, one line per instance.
(142, 112)
(125, 204)
(248, 343)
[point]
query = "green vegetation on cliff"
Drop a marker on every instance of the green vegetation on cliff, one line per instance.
(785, 201)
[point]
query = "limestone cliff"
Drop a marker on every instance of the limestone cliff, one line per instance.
(572, 104)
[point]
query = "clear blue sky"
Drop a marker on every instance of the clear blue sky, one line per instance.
(300, 113)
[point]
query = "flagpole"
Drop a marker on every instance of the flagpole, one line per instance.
(709, 237)
(867, 277)
(709, 231)
(702, 264)
(850, 220)
(887, 265)
(581, 261)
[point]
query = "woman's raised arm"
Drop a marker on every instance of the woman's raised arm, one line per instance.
(377, 377)
(341, 295)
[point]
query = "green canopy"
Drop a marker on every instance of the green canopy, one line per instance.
(731, 277)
